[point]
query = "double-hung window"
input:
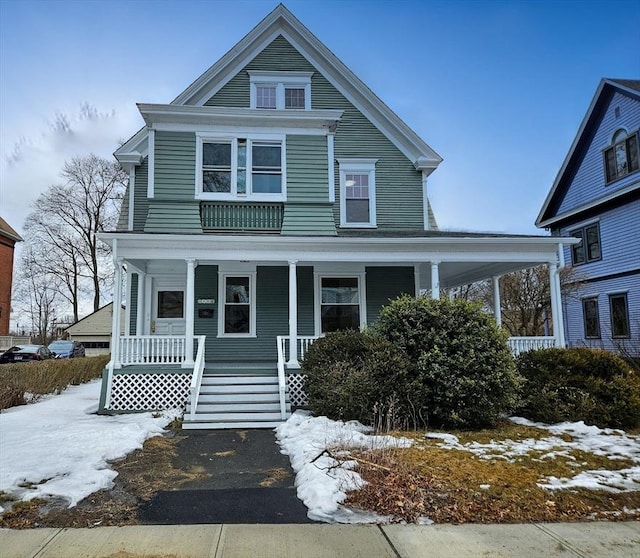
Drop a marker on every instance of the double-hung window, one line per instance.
(589, 249)
(237, 316)
(619, 312)
(280, 90)
(357, 192)
(241, 168)
(591, 318)
(341, 303)
(623, 157)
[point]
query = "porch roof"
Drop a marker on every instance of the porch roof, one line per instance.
(462, 257)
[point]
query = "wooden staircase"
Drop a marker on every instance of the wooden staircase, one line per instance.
(237, 399)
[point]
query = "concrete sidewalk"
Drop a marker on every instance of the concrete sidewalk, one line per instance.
(598, 539)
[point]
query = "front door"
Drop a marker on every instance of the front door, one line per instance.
(168, 311)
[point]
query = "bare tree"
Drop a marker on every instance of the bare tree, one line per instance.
(62, 227)
(37, 294)
(525, 298)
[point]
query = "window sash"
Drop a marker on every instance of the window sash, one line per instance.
(237, 305)
(225, 166)
(265, 96)
(589, 249)
(591, 318)
(294, 97)
(339, 303)
(622, 158)
(619, 313)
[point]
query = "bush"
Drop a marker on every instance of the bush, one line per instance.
(48, 376)
(353, 375)
(577, 384)
(462, 369)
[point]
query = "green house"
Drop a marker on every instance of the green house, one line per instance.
(276, 199)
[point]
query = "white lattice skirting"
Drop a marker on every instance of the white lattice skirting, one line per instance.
(297, 395)
(149, 392)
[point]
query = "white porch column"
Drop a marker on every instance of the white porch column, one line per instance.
(127, 309)
(416, 279)
(117, 304)
(435, 280)
(140, 309)
(189, 312)
(560, 321)
(497, 310)
(556, 307)
(293, 316)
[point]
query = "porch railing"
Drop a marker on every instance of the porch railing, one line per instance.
(151, 350)
(304, 343)
(241, 216)
(523, 344)
(196, 379)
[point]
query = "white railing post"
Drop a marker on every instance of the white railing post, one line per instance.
(196, 378)
(282, 385)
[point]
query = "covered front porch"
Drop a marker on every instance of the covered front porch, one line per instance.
(198, 307)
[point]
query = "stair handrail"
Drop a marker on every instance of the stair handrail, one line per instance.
(196, 378)
(282, 384)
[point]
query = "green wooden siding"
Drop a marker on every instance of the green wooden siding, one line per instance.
(384, 284)
(173, 217)
(272, 316)
(133, 304)
(308, 219)
(175, 166)
(140, 201)
(278, 56)
(307, 169)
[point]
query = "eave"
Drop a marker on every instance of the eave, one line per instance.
(158, 115)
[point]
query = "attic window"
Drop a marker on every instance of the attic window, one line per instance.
(622, 158)
(280, 90)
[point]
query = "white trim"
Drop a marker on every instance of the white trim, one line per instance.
(151, 165)
(281, 81)
(317, 296)
(595, 203)
(425, 201)
(132, 195)
(358, 166)
(202, 138)
(331, 166)
(222, 277)
(241, 131)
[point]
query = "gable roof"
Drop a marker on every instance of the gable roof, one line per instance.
(7, 231)
(606, 88)
(282, 22)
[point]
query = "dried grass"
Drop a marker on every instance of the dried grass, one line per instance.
(22, 382)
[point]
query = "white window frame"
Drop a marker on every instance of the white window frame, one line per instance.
(281, 81)
(222, 299)
(358, 166)
(362, 299)
(202, 138)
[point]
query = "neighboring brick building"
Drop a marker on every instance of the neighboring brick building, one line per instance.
(8, 239)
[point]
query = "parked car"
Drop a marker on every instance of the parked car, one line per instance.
(67, 349)
(26, 353)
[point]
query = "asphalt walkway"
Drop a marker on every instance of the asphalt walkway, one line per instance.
(597, 540)
(245, 479)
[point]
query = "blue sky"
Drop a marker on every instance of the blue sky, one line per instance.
(497, 88)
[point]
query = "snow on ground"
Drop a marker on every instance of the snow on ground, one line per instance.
(322, 481)
(59, 448)
(614, 444)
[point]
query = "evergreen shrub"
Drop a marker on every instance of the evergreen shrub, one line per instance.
(591, 385)
(462, 371)
(353, 375)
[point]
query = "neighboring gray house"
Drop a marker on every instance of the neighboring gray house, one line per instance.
(596, 198)
(274, 200)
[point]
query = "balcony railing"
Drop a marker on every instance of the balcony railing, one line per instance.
(241, 216)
